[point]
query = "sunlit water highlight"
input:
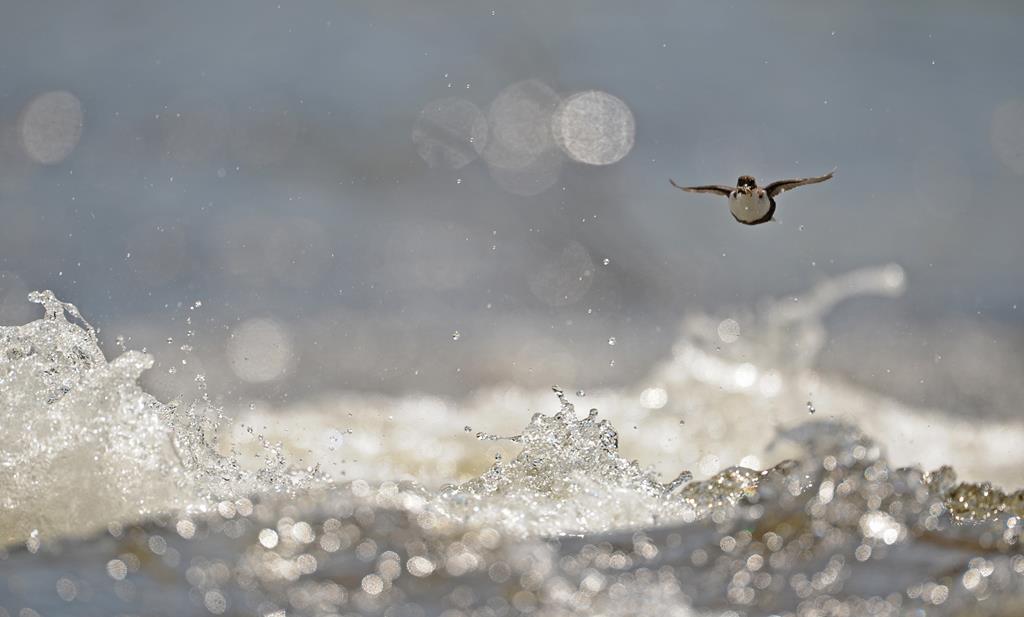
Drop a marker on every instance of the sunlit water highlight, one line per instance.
(115, 502)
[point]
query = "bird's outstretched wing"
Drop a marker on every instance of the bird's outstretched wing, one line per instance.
(775, 188)
(709, 188)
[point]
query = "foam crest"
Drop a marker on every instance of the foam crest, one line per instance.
(84, 445)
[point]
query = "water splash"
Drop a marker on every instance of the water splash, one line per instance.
(570, 478)
(837, 531)
(567, 525)
(85, 445)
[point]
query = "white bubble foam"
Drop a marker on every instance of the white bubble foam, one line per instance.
(50, 126)
(450, 133)
(595, 127)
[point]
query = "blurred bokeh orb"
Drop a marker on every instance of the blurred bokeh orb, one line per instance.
(894, 277)
(450, 133)
(520, 123)
(521, 151)
(729, 330)
(260, 350)
(594, 127)
(534, 178)
(50, 126)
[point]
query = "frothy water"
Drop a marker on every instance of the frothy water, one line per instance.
(85, 445)
(115, 502)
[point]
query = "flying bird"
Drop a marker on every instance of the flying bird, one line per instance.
(751, 204)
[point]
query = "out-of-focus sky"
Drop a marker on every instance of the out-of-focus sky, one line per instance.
(289, 166)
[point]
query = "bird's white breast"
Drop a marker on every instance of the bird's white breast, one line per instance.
(749, 207)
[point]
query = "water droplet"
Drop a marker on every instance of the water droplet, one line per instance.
(606, 261)
(810, 407)
(611, 341)
(580, 393)
(456, 335)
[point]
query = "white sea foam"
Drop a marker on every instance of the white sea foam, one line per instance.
(727, 400)
(84, 445)
(834, 525)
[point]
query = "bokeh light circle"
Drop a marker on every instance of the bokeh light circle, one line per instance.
(520, 123)
(729, 330)
(450, 133)
(50, 126)
(531, 179)
(594, 127)
(521, 151)
(260, 350)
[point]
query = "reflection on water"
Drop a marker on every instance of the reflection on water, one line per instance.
(114, 501)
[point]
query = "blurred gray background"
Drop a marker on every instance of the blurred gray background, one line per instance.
(289, 167)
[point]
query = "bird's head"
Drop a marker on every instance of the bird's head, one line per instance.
(746, 182)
